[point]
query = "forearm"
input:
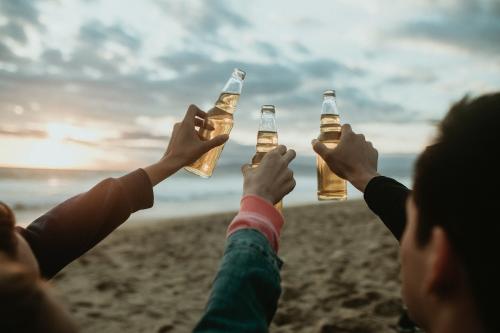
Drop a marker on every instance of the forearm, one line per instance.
(246, 289)
(75, 226)
(387, 198)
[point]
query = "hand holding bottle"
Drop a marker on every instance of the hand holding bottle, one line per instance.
(185, 145)
(221, 119)
(354, 158)
(271, 179)
(330, 185)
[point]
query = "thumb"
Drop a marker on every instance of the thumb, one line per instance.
(320, 148)
(345, 131)
(217, 141)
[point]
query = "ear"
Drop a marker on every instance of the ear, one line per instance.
(443, 268)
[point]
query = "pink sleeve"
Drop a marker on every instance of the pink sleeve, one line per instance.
(258, 213)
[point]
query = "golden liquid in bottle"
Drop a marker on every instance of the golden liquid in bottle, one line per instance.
(221, 118)
(330, 186)
(266, 141)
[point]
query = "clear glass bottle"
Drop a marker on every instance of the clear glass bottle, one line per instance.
(221, 118)
(267, 138)
(330, 186)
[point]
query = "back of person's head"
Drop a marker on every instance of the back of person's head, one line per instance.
(457, 186)
(7, 237)
(20, 297)
(19, 292)
(26, 304)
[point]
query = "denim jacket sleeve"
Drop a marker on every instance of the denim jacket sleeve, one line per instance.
(246, 289)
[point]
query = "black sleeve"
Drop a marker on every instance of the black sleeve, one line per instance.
(387, 198)
(78, 224)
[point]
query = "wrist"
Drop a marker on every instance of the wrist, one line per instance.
(361, 179)
(260, 193)
(170, 164)
(162, 169)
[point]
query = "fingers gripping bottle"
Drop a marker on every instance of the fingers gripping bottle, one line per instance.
(267, 137)
(330, 186)
(221, 118)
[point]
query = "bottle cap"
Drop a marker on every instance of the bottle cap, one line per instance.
(239, 73)
(329, 92)
(268, 108)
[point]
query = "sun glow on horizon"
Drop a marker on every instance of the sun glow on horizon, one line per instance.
(66, 147)
(59, 131)
(45, 154)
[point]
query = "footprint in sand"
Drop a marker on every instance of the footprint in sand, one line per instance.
(389, 308)
(345, 326)
(94, 314)
(290, 292)
(356, 302)
(166, 328)
(105, 285)
(84, 304)
(287, 315)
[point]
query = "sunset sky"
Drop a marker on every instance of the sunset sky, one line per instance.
(98, 84)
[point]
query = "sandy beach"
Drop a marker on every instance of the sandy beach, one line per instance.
(341, 273)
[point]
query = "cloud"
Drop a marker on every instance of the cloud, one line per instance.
(95, 55)
(25, 133)
(20, 14)
(96, 34)
(266, 48)
(300, 48)
(24, 11)
(357, 106)
(7, 56)
(470, 25)
(197, 70)
(15, 31)
(141, 135)
(417, 77)
(261, 78)
(204, 20)
(114, 95)
(184, 60)
(324, 68)
(52, 57)
(88, 81)
(354, 104)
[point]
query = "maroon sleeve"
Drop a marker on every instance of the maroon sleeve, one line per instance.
(78, 224)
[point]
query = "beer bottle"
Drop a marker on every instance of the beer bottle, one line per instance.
(221, 118)
(267, 137)
(330, 186)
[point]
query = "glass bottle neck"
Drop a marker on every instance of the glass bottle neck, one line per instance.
(268, 122)
(235, 83)
(329, 106)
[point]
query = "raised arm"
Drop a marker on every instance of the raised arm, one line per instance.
(355, 160)
(75, 226)
(246, 289)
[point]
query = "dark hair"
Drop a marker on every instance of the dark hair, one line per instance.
(21, 297)
(457, 186)
(19, 293)
(7, 236)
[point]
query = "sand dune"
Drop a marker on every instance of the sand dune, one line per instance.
(340, 274)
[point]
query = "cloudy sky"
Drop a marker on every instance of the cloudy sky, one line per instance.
(99, 83)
